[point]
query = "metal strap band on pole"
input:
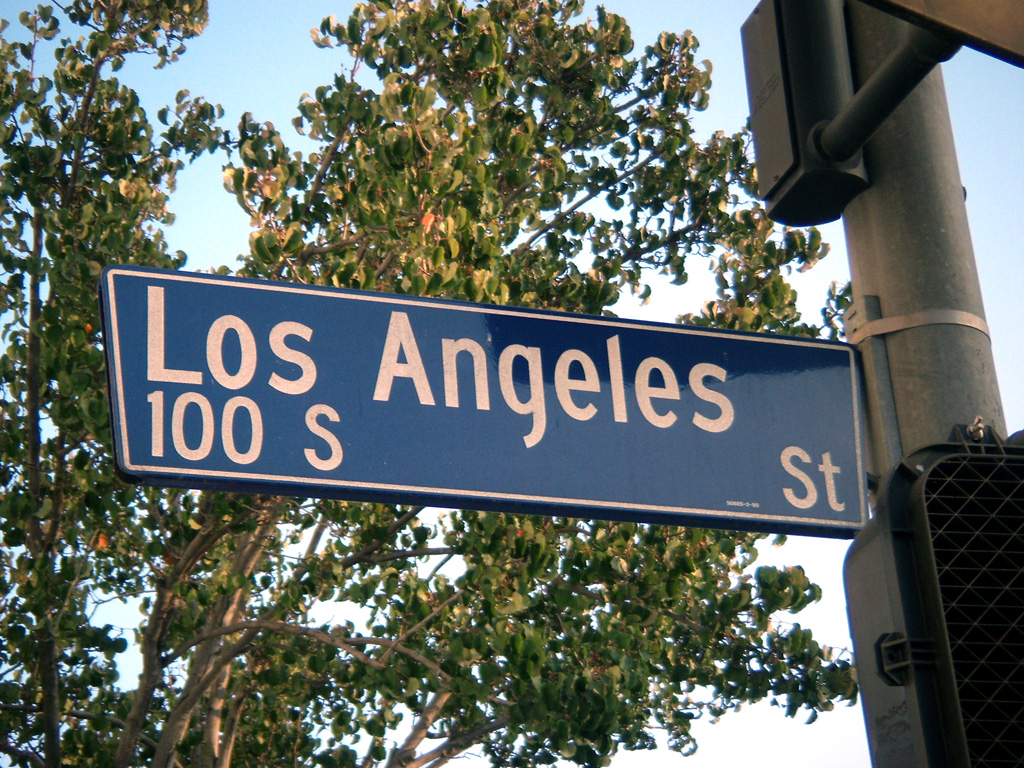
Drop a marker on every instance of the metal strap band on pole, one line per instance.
(915, 320)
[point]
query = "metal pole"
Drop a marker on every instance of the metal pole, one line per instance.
(919, 323)
(912, 265)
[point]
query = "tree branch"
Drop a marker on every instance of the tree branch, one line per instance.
(673, 237)
(318, 250)
(57, 497)
(314, 540)
(403, 755)
(275, 626)
(33, 384)
(49, 682)
(156, 629)
(387, 262)
(439, 566)
(403, 554)
(369, 549)
(424, 621)
(210, 667)
(152, 641)
(325, 163)
(561, 217)
(458, 743)
(201, 680)
(78, 714)
(70, 191)
(230, 733)
(214, 720)
(368, 760)
(32, 757)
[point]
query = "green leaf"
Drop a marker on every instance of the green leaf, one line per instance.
(509, 125)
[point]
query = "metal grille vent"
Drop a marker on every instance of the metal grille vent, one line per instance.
(975, 508)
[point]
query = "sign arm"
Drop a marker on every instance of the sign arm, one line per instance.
(846, 134)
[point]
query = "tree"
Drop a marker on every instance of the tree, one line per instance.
(505, 152)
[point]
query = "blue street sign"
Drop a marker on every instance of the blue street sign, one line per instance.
(261, 386)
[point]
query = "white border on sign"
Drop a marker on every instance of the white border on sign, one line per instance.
(350, 295)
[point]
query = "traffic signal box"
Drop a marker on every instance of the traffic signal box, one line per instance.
(799, 78)
(935, 591)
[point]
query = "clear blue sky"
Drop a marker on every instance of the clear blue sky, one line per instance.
(257, 56)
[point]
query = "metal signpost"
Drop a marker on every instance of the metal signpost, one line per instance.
(254, 385)
(935, 587)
